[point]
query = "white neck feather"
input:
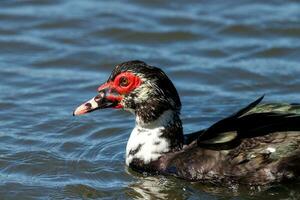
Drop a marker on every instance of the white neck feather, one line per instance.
(145, 142)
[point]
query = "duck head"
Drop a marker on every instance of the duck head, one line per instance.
(136, 87)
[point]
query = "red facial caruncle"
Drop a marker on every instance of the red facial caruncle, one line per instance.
(122, 84)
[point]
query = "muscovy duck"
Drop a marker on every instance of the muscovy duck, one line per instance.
(258, 145)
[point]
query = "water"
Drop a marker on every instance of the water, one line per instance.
(221, 55)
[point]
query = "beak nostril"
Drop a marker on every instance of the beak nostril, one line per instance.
(88, 105)
(97, 98)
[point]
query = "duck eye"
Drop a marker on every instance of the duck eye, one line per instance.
(124, 81)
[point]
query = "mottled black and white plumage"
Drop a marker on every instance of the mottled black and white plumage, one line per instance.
(259, 144)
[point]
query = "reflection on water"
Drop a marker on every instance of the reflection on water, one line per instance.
(166, 188)
(150, 188)
(54, 53)
(162, 187)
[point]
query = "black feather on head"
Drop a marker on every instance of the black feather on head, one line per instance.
(156, 93)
